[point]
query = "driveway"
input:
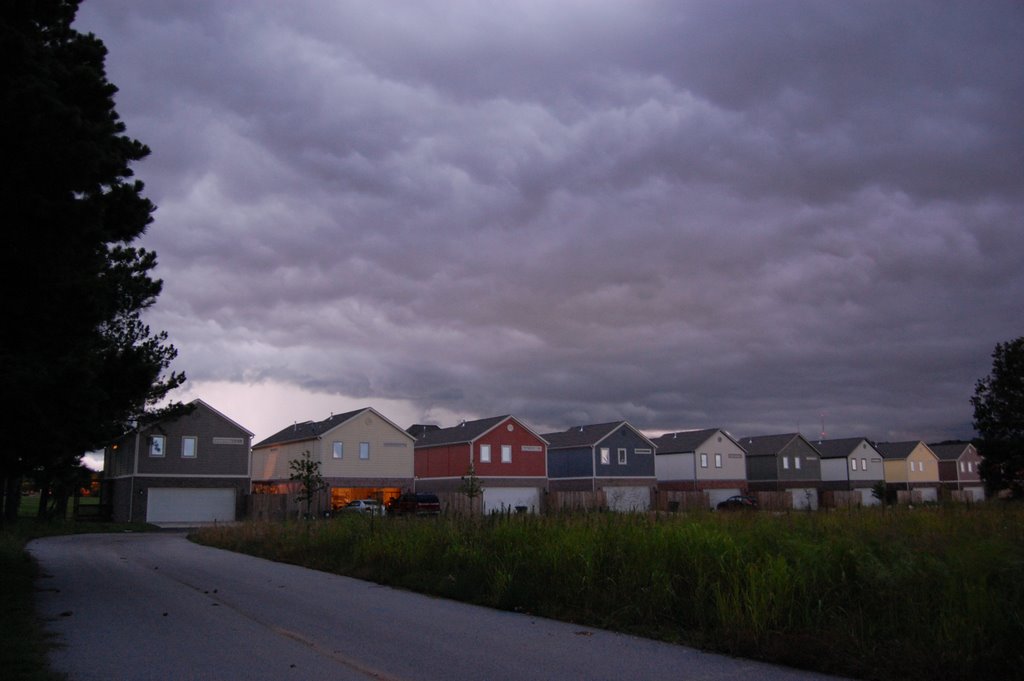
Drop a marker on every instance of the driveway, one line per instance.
(156, 606)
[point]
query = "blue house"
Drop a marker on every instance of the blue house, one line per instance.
(614, 458)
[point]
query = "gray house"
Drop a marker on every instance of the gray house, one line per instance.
(614, 457)
(851, 464)
(785, 462)
(708, 460)
(194, 468)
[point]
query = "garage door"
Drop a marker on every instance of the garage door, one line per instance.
(187, 504)
(805, 499)
(718, 495)
(498, 499)
(628, 498)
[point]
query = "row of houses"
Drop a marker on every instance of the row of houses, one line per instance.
(202, 466)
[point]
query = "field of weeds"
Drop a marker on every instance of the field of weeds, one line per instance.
(926, 593)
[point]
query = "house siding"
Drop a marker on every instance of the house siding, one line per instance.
(211, 459)
(636, 466)
(571, 463)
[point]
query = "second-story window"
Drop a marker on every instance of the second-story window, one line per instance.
(189, 446)
(718, 460)
(157, 445)
(506, 453)
(606, 456)
(364, 450)
(338, 450)
(485, 453)
(622, 456)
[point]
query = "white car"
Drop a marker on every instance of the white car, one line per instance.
(368, 506)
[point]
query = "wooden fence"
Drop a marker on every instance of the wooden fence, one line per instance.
(567, 502)
(672, 500)
(774, 501)
(841, 499)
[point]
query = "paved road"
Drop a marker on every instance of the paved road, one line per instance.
(156, 606)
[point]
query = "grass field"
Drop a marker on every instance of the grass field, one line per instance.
(927, 593)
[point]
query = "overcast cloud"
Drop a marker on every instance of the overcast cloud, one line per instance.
(753, 215)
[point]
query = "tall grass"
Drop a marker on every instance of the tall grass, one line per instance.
(881, 594)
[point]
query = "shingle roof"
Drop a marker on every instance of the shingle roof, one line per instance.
(950, 451)
(467, 431)
(767, 445)
(308, 430)
(896, 450)
(838, 448)
(581, 436)
(683, 441)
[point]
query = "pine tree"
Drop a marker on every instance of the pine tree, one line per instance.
(77, 363)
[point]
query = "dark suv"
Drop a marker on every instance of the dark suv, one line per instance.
(415, 503)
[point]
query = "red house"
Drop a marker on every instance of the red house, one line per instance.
(509, 459)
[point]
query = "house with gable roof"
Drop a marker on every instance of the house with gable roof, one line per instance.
(958, 468)
(786, 462)
(189, 468)
(911, 467)
(614, 457)
(707, 460)
(851, 464)
(508, 458)
(362, 455)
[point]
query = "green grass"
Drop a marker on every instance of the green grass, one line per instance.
(24, 643)
(933, 593)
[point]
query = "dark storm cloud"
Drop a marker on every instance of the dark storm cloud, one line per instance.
(753, 215)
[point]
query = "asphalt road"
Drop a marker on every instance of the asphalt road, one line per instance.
(156, 606)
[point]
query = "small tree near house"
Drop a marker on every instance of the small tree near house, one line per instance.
(471, 486)
(306, 472)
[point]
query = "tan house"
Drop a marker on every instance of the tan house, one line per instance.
(911, 467)
(362, 455)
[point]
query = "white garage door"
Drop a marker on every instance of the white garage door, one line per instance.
(190, 504)
(498, 499)
(977, 493)
(867, 498)
(628, 498)
(805, 499)
(715, 496)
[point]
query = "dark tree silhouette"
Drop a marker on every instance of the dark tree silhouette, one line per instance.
(999, 419)
(77, 364)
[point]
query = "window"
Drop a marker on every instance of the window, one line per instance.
(863, 464)
(188, 447)
(506, 453)
(718, 460)
(970, 467)
(703, 460)
(157, 445)
(485, 453)
(606, 456)
(785, 462)
(338, 450)
(853, 464)
(364, 450)
(796, 462)
(622, 455)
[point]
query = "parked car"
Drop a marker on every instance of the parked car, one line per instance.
(366, 506)
(737, 502)
(415, 503)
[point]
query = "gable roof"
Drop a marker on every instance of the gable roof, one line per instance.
(839, 447)
(951, 451)
(897, 450)
(687, 440)
(199, 402)
(587, 436)
(465, 432)
(310, 430)
(770, 445)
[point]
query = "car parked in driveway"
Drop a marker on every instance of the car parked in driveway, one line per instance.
(365, 506)
(738, 502)
(415, 503)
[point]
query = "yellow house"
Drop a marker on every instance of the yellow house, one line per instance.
(911, 466)
(362, 455)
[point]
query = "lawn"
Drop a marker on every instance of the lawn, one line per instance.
(925, 593)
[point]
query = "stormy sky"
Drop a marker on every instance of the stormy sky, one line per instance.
(763, 216)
